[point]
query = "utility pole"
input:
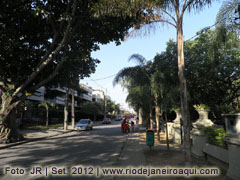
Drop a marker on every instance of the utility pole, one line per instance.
(105, 104)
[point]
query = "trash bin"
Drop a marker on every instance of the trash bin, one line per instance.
(150, 137)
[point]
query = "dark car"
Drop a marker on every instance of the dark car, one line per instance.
(107, 121)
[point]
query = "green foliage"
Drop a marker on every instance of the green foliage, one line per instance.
(27, 104)
(212, 71)
(164, 79)
(47, 105)
(216, 136)
(93, 108)
(138, 97)
(201, 107)
(137, 80)
(32, 32)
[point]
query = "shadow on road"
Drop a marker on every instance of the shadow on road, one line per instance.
(99, 147)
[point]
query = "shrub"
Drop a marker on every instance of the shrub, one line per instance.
(216, 136)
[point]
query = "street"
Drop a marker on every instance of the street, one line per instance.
(100, 147)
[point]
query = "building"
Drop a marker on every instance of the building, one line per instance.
(98, 95)
(57, 95)
(86, 93)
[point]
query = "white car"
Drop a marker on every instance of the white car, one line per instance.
(84, 124)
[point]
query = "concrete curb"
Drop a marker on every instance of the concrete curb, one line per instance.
(4, 146)
(27, 140)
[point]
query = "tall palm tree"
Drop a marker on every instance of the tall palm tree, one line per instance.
(47, 105)
(172, 13)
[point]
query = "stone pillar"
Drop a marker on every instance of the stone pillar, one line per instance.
(170, 128)
(198, 136)
(234, 156)
(177, 129)
(232, 122)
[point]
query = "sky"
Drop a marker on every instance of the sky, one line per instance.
(114, 58)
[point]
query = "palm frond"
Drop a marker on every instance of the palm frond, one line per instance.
(196, 5)
(227, 14)
(124, 74)
(139, 59)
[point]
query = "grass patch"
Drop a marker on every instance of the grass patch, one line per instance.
(41, 127)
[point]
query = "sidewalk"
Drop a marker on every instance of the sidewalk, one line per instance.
(137, 154)
(34, 135)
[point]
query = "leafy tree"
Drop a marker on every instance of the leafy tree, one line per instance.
(38, 36)
(138, 98)
(47, 105)
(212, 70)
(92, 108)
(164, 83)
(112, 107)
(76, 68)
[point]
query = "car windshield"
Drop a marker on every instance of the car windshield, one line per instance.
(83, 121)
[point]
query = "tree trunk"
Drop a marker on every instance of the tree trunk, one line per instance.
(8, 127)
(151, 118)
(9, 130)
(5, 107)
(140, 118)
(183, 91)
(157, 114)
(66, 111)
(166, 131)
(73, 110)
(46, 117)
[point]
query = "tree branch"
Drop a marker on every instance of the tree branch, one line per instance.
(51, 76)
(164, 21)
(173, 18)
(50, 57)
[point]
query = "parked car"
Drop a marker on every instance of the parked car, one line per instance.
(107, 121)
(84, 124)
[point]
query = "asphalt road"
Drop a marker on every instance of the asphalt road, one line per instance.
(75, 153)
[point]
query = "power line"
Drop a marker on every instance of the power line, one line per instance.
(104, 77)
(98, 84)
(101, 78)
(202, 31)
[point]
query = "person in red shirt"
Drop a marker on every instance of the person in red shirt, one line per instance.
(124, 126)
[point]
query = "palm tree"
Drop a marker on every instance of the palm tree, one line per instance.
(229, 14)
(135, 79)
(47, 105)
(172, 12)
(138, 98)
